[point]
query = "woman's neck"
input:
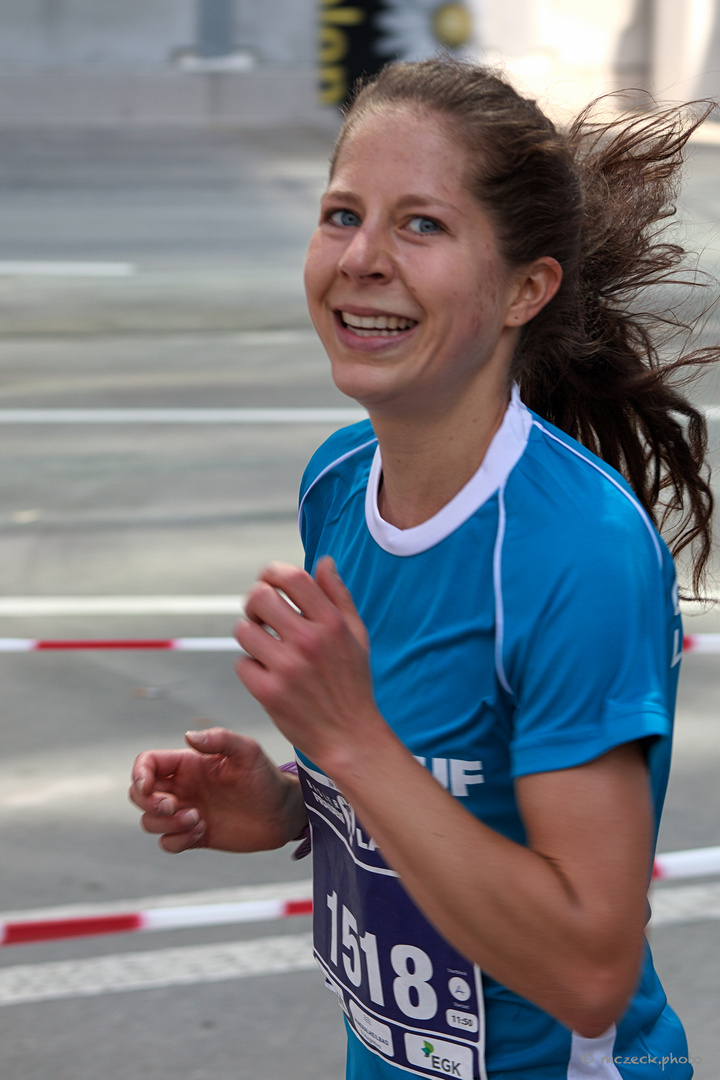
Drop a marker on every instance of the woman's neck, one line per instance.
(426, 464)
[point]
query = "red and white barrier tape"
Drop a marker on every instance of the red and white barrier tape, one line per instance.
(672, 866)
(701, 643)
(206, 644)
(697, 643)
(171, 918)
(696, 862)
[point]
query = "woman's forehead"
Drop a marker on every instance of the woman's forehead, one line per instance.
(402, 136)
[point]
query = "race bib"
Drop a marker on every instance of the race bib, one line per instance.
(408, 995)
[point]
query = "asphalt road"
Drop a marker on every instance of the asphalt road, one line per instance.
(215, 226)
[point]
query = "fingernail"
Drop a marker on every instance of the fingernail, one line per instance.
(189, 818)
(196, 736)
(165, 806)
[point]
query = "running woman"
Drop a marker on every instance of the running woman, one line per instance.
(478, 664)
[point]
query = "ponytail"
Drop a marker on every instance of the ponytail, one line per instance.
(603, 362)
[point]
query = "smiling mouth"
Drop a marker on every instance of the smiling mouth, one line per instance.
(376, 325)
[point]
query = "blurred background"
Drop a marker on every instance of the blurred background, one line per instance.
(238, 62)
(160, 166)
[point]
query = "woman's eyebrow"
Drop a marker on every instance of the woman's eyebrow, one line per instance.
(337, 193)
(410, 200)
(424, 200)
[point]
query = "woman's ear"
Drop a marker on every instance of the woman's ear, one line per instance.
(537, 283)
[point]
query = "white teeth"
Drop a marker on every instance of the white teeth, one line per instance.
(392, 323)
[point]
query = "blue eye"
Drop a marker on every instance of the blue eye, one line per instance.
(425, 226)
(345, 218)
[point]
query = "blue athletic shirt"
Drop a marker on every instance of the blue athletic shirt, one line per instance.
(532, 624)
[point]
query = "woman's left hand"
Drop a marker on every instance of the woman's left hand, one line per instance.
(307, 664)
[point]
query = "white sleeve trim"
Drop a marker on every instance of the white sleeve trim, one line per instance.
(497, 586)
(592, 1059)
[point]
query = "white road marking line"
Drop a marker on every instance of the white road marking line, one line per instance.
(151, 605)
(59, 790)
(686, 903)
(159, 968)
(121, 605)
(337, 415)
(194, 964)
(56, 268)
(248, 338)
(289, 415)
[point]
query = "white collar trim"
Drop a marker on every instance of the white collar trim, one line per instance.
(504, 452)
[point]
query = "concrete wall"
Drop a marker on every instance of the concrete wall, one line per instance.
(106, 61)
(97, 33)
(145, 33)
(80, 61)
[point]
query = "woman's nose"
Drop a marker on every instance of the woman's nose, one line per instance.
(367, 256)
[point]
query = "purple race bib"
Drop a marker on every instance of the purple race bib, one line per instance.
(409, 996)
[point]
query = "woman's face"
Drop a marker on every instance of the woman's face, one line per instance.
(405, 283)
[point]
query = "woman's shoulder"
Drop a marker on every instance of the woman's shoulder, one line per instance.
(568, 490)
(576, 537)
(343, 450)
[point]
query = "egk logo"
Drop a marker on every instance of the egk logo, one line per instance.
(446, 1065)
(445, 1058)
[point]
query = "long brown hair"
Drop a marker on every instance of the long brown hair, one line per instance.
(597, 197)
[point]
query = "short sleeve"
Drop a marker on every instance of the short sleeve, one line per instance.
(318, 500)
(591, 637)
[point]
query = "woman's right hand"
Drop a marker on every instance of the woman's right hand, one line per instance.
(222, 792)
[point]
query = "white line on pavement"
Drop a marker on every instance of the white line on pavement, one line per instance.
(158, 968)
(686, 903)
(56, 268)
(194, 964)
(217, 604)
(248, 338)
(289, 415)
(336, 415)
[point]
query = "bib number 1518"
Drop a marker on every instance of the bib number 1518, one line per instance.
(412, 967)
